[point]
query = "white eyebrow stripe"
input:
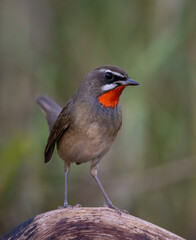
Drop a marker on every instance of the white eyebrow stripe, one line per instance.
(115, 73)
(108, 87)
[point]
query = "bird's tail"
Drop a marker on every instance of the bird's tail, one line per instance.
(50, 108)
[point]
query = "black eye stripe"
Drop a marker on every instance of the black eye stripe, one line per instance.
(121, 78)
(114, 77)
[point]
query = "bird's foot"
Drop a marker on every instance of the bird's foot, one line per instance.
(119, 211)
(77, 205)
(69, 206)
(65, 206)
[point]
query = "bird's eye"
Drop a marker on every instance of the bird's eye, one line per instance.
(108, 75)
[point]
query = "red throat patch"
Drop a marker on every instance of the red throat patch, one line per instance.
(111, 98)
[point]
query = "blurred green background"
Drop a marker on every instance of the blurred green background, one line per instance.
(47, 47)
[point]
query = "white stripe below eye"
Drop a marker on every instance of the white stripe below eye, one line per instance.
(121, 82)
(114, 73)
(108, 87)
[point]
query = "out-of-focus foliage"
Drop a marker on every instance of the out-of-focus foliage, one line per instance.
(47, 47)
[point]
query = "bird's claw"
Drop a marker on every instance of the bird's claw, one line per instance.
(78, 205)
(65, 206)
(119, 211)
(70, 206)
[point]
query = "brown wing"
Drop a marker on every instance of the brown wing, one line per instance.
(60, 126)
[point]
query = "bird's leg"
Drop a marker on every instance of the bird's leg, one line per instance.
(67, 168)
(65, 205)
(94, 167)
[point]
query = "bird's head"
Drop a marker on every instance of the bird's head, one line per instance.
(106, 83)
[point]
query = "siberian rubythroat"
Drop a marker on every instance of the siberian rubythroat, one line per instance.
(85, 128)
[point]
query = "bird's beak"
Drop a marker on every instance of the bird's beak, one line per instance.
(131, 82)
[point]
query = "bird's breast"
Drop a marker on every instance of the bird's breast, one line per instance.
(90, 135)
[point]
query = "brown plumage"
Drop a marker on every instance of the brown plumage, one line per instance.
(86, 127)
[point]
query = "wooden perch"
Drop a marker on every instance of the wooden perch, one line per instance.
(87, 223)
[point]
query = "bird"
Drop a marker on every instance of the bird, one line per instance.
(85, 128)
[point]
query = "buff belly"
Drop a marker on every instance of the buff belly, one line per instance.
(83, 146)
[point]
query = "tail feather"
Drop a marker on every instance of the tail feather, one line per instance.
(50, 108)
